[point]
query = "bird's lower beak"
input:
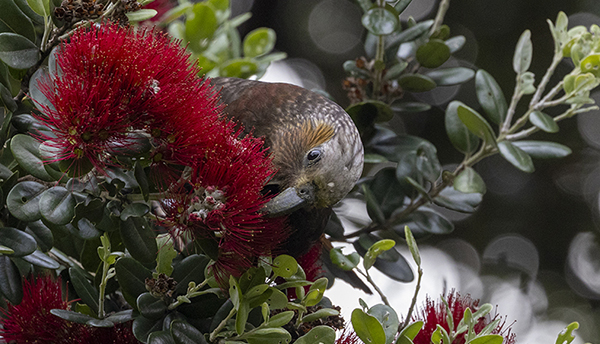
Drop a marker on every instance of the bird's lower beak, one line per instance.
(290, 200)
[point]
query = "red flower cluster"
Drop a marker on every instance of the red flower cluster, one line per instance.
(434, 314)
(116, 84)
(31, 320)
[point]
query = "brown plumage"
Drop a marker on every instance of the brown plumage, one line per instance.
(315, 147)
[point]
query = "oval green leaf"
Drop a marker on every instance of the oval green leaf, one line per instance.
(17, 51)
(200, 26)
(380, 21)
(23, 200)
(20, 242)
(388, 318)
(285, 266)
(344, 262)
(85, 291)
(405, 106)
(433, 53)
(523, 53)
(490, 96)
(269, 336)
(239, 68)
(367, 327)
(151, 307)
(13, 20)
(451, 76)
(476, 124)
(516, 156)
(189, 269)
(132, 276)
(543, 149)
(184, 333)
(26, 150)
(416, 83)
(160, 337)
(10, 281)
(460, 137)
(141, 14)
(259, 42)
(39, 258)
(42, 235)
(543, 121)
(455, 43)
(320, 334)
(57, 205)
(469, 181)
(139, 239)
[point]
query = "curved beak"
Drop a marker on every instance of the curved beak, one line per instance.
(290, 200)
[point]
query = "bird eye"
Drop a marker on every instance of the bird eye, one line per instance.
(313, 155)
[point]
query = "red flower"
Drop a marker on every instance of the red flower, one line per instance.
(435, 314)
(161, 6)
(225, 204)
(31, 320)
(112, 82)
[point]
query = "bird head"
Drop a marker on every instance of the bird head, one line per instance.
(314, 143)
(319, 157)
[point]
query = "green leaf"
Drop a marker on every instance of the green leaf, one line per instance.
(57, 205)
(184, 333)
(433, 53)
(375, 250)
(469, 181)
(26, 150)
(388, 319)
(200, 26)
(142, 327)
(591, 64)
(132, 275)
(451, 76)
(13, 20)
(150, 306)
(401, 5)
(141, 15)
(85, 291)
(523, 53)
(39, 258)
(368, 112)
(412, 245)
(41, 7)
(321, 313)
(259, 42)
(239, 68)
(320, 334)
(455, 43)
(373, 208)
(72, 316)
(412, 330)
(10, 281)
(427, 220)
(476, 124)
(566, 336)
(516, 156)
(134, 210)
(380, 21)
(543, 149)
(5, 250)
(488, 339)
(344, 262)
(166, 254)
(285, 266)
(460, 137)
(393, 41)
(142, 179)
(160, 337)
(367, 327)
(17, 51)
(416, 83)
(453, 199)
(280, 319)
(269, 336)
(139, 239)
(23, 200)
(543, 121)
(241, 317)
(20, 242)
(277, 300)
(189, 269)
(404, 106)
(490, 96)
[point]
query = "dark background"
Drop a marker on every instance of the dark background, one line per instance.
(548, 208)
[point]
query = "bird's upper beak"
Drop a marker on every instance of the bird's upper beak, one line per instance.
(290, 200)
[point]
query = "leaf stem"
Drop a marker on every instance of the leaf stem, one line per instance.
(517, 94)
(379, 291)
(222, 324)
(414, 300)
(439, 17)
